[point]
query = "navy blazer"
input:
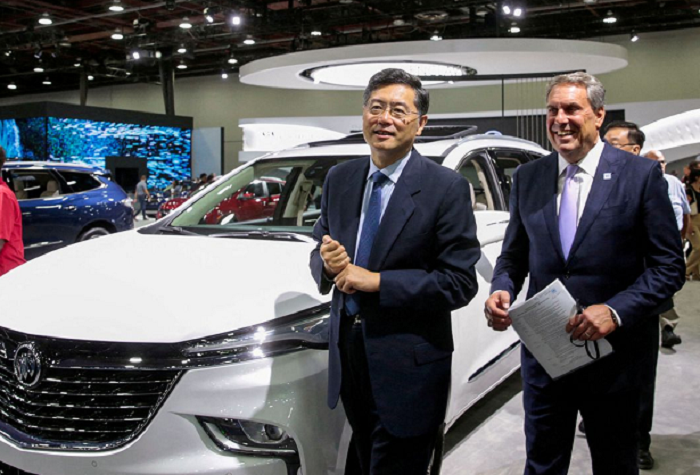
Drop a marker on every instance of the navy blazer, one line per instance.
(426, 248)
(626, 253)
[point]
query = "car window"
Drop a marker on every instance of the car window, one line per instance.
(476, 171)
(34, 184)
(506, 162)
(274, 188)
(78, 182)
(253, 190)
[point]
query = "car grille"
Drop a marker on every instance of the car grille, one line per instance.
(94, 407)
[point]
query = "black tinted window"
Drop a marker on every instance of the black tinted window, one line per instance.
(80, 181)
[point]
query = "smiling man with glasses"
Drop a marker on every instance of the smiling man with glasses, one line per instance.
(625, 136)
(397, 239)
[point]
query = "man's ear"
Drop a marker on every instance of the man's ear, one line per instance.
(599, 117)
(421, 124)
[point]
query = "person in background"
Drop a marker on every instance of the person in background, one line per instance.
(11, 246)
(692, 266)
(142, 194)
(598, 219)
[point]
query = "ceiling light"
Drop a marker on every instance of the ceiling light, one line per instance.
(185, 24)
(116, 6)
(518, 12)
(232, 60)
(316, 33)
(506, 10)
(46, 82)
(208, 15)
(399, 22)
(249, 41)
(38, 69)
(45, 19)
(135, 54)
(590, 2)
(235, 19)
(182, 49)
(158, 54)
(77, 65)
(436, 37)
(12, 86)
(358, 74)
(634, 37)
(514, 28)
(224, 76)
(610, 19)
(182, 65)
(118, 35)
(91, 78)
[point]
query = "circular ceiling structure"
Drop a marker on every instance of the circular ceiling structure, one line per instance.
(349, 67)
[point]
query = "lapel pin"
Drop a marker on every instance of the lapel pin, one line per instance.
(607, 176)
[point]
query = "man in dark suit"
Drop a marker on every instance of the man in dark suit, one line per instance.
(598, 219)
(397, 238)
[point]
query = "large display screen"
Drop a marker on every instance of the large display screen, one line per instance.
(167, 149)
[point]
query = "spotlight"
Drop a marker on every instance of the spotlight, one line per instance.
(634, 37)
(45, 19)
(8, 53)
(208, 15)
(610, 19)
(91, 78)
(224, 75)
(135, 54)
(77, 65)
(182, 49)
(232, 60)
(12, 86)
(514, 28)
(436, 37)
(116, 6)
(249, 41)
(118, 35)
(38, 69)
(518, 12)
(506, 9)
(158, 54)
(46, 82)
(185, 24)
(235, 19)
(182, 65)
(316, 33)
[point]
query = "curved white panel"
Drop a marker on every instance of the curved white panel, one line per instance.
(672, 132)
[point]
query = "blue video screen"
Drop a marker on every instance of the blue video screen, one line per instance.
(168, 150)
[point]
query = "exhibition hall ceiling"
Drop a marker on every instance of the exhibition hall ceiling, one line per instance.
(108, 42)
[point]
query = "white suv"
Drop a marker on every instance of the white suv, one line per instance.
(198, 344)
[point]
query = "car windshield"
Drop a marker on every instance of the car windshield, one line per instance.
(272, 196)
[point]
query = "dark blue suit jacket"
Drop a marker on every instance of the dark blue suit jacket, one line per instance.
(626, 253)
(425, 249)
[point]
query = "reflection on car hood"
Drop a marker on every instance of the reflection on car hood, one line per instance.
(157, 288)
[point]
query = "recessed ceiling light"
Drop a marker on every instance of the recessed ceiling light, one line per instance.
(506, 9)
(610, 19)
(12, 86)
(185, 24)
(208, 15)
(46, 82)
(135, 54)
(518, 12)
(235, 20)
(224, 76)
(182, 65)
(436, 37)
(116, 6)
(45, 19)
(118, 35)
(249, 41)
(316, 33)
(182, 49)
(514, 28)
(77, 65)
(232, 60)
(91, 78)
(38, 69)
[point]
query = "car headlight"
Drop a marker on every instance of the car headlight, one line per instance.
(256, 439)
(307, 329)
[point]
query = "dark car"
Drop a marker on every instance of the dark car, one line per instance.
(64, 203)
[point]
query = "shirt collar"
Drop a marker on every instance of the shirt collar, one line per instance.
(589, 163)
(393, 171)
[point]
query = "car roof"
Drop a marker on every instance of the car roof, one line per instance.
(79, 167)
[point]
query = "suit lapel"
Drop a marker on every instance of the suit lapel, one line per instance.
(550, 181)
(398, 211)
(605, 179)
(351, 205)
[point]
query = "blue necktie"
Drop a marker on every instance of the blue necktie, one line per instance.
(369, 231)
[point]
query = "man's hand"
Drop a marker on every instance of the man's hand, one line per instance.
(354, 278)
(496, 310)
(335, 259)
(593, 324)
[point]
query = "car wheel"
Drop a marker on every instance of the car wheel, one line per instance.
(93, 233)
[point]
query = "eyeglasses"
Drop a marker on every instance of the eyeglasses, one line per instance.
(661, 161)
(593, 353)
(397, 112)
(622, 145)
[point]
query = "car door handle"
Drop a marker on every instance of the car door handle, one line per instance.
(70, 208)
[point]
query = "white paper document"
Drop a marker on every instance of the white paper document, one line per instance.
(541, 324)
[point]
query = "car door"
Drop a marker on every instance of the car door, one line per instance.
(48, 218)
(482, 357)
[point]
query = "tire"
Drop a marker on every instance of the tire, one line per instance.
(93, 233)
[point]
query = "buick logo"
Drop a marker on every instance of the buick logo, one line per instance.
(28, 365)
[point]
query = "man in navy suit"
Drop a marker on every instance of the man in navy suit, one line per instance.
(598, 219)
(397, 238)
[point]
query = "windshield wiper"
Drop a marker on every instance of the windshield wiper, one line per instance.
(285, 236)
(178, 230)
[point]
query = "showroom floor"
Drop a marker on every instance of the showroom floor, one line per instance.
(489, 439)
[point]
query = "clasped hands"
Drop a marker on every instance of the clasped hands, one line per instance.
(594, 323)
(348, 277)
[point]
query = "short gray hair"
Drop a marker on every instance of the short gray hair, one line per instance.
(594, 88)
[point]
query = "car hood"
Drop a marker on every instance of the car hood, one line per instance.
(132, 287)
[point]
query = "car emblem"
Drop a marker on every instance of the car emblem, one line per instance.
(28, 365)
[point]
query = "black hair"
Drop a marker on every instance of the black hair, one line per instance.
(389, 76)
(635, 135)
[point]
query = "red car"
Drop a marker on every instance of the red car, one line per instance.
(256, 200)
